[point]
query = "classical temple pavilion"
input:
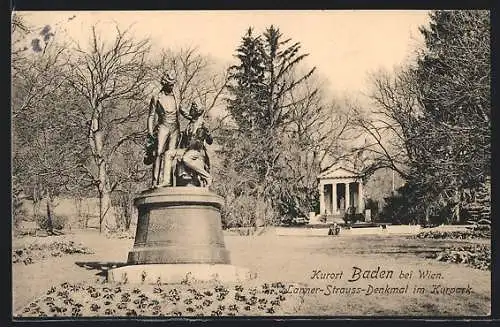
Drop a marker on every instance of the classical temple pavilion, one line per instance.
(340, 188)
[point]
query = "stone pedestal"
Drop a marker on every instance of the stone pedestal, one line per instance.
(179, 225)
(178, 273)
(178, 238)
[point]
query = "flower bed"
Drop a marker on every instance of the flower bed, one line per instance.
(200, 299)
(477, 256)
(463, 235)
(38, 251)
(121, 235)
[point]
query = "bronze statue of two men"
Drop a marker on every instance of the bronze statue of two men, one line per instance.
(178, 158)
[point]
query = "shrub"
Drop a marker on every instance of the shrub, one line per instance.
(17, 218)
(18, 209)
(373, 205)
(409, 204)
(34, 252)
(463, 235)
(477, 256)
(400, 208)
(351, 217)
(244, 211)
(58, 222)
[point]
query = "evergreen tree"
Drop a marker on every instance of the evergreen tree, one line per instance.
(248, 102)
(261, 87)
(280, 60)
(453, 78)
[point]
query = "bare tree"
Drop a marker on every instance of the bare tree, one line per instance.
(19, 32)
(36, 72)
(45, 145)
(390, 129)
(107, 74)
(130, 176)
(311, 143)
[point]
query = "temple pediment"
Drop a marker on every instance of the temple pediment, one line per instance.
(339, 172)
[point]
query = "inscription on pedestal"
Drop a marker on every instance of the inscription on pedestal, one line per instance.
(196, 227)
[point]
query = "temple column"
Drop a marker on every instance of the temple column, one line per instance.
(361, 202)
(321, 198)
(334, 198)
(347, 197)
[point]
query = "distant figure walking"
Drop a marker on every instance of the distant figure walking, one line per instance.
(334, 229)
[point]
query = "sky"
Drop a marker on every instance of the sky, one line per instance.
(344, 45)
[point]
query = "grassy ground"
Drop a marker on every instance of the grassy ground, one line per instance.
(292, 260)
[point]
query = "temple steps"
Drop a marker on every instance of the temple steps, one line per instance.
(339, 219)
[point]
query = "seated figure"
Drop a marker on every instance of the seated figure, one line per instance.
(192, 166)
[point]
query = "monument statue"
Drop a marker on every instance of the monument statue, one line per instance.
(179, 228)
(178, 159)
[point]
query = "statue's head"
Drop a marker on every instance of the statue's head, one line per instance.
(167, 82)
(195, 112)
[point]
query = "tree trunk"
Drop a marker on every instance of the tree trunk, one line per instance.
(96, 138)
(128, 213)
(36, 204)
(79, 211)
(427, 215)
(106, 218)
(86, 220)
(50, 226)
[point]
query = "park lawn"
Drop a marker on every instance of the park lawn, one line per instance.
(291, 260)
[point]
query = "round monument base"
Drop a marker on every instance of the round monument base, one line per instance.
(179, 225)
(178, 273)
